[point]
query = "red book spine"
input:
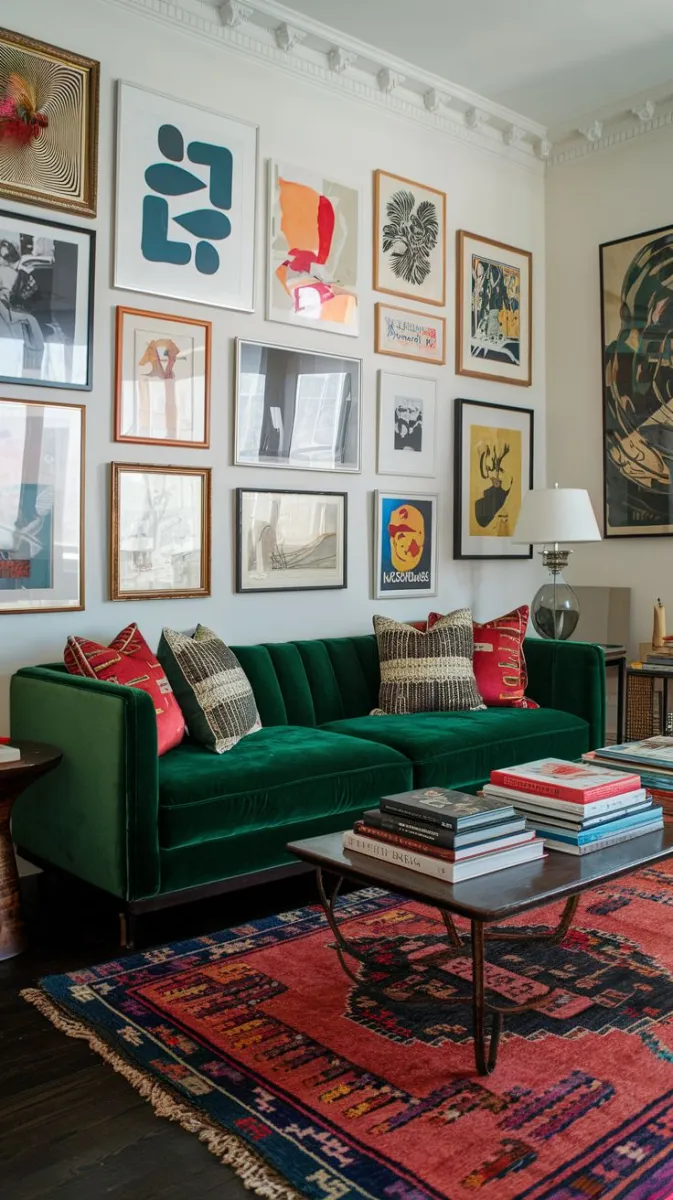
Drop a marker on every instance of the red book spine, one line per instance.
(406, 843)
(557, 791)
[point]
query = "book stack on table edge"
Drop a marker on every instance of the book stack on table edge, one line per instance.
(652, 758)
(577, 808)
(447, 834)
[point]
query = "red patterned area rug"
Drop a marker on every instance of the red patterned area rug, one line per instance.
(256, 1041)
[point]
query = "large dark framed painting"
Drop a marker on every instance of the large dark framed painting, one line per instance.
(637, 369)
(494, 310)
(46, 302)
(48, 125)
(493, 471)
(290, 541)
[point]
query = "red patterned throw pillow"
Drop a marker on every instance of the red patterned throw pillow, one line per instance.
(129, 661)
(499, 662)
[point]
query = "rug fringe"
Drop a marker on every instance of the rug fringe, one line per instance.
(253, 1172)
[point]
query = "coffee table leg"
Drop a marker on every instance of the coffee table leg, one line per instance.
(485, 1064)
(12, 937)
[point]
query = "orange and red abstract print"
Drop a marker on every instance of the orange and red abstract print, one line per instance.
(313, 271)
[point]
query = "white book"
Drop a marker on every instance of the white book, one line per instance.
(450, 872)
(9, 753)
(523, 801)
(613, 839)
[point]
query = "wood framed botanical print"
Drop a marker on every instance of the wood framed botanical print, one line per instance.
(494, 310)
(46, 302)
(409, 239)
(493, 471)
(314, 244)
(297, 409)
(405, 333)
(48, 125)
(41, 507)
(159, 532)
(406, 425)
(167, 242)
(405, 545)
(636, 384)
(290, 541)
(162, 379)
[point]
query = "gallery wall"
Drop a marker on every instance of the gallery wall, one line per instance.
(307, 125)
(611, 194)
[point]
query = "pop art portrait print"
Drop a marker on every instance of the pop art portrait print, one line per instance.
(405, 544)
(186, 201)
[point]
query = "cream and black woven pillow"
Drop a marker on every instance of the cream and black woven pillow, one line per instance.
(427, 672)
(211, 688)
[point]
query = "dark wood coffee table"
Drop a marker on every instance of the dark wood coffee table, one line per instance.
(485, 902)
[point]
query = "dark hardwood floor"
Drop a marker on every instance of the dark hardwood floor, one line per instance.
(70, 1127)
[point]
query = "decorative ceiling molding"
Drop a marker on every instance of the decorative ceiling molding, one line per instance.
(638, 117)
(280, 37)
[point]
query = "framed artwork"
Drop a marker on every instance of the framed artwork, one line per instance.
(186, 201)
(494, 310)
(405, 545)
(406, 425)
(409, 239)
(636, 384)
(290, 541)
(296, 409)
(46, 302)
(314, 235)
(493, 471)
(159, 532)
(405, 333)
(48, 125)
(41, 507)
(162, 379)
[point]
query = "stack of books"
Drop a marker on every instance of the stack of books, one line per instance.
(652, 758)
(450, 835)
(577, 807)
(660, 656)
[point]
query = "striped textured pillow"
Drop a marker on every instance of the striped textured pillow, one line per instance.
(211, 687)
(427, 672)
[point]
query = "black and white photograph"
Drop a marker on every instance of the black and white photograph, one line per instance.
(290, 541)
(296, 409)
(46, 297)
(406, 425)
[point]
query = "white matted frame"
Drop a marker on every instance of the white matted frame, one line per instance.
(493, 470)
(313, 263)
(405, 333)
(297, 409)
(494, 310)
(409, 239)
(186, 201)
(405, 544)
(407, 433)
(290, 540)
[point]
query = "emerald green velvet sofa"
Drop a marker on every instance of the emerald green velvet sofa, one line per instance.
(156, 831)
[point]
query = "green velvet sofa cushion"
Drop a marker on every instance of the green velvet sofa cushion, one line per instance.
(274, 777)
(452, 749)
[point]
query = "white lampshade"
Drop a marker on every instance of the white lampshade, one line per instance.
(556, 515)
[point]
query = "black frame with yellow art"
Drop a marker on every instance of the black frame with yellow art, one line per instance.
(493, 452)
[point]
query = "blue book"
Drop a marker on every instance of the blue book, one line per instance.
(603, 831)
(649, 753)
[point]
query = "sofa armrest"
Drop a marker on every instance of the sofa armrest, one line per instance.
(569, 676)
(96, 815)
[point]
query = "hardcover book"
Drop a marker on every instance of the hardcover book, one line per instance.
(444, 807)
(652, 752)
(438, 835)
(474, 851)
(561, 780)
(525, 801)
(450, 872)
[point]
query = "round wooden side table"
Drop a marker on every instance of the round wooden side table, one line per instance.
(15, 777)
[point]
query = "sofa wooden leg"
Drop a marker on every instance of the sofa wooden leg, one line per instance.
(127, 929)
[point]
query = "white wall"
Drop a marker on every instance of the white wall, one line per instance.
(607, 195)
(302, 123)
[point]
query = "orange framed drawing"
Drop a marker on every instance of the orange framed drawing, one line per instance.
(409, 239)
(162, 379)
(494, 310)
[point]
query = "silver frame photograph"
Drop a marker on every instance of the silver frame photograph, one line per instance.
(300, 556)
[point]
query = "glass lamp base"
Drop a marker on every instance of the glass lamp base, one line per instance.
(555, 610)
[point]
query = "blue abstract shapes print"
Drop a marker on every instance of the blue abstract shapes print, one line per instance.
(168, 179)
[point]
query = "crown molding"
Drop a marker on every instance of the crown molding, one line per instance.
(280, 37)
(638, 117)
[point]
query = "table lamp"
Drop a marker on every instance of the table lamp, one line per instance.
(549, 516)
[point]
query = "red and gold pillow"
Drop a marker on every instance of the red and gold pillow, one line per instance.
(129, 661)
(499, 662)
